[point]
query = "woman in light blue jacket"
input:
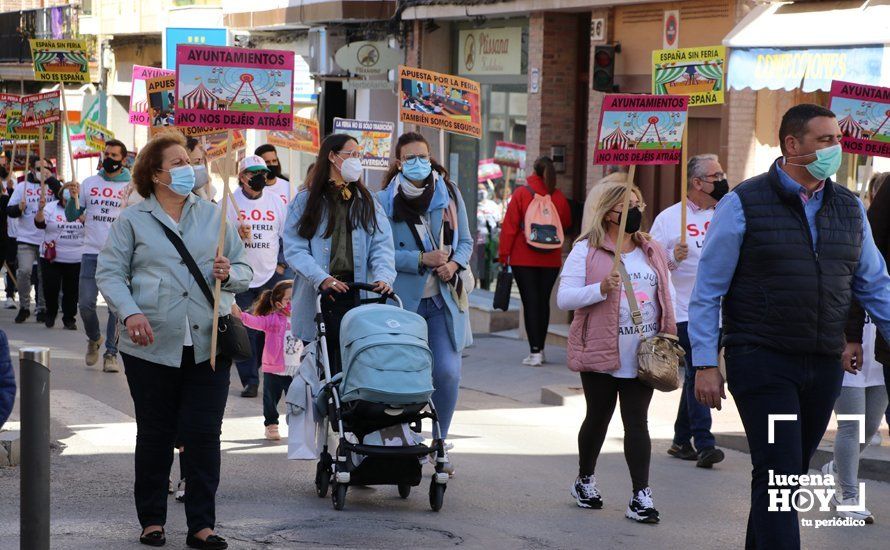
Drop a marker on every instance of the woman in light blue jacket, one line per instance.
(166, 351)
(426, 209)
(335, 234)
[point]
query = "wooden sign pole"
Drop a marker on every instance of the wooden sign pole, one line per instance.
(220, 242)
(684, 181)
(293, 173)
(442, 148)
(40, 155)
(68, 137)
(27, 167)
(628, 188)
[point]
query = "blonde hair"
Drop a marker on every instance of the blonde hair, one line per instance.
(604, 197)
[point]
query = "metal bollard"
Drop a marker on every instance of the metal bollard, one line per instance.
(34, 399)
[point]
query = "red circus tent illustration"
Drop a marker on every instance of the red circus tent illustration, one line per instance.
(200, 98)
(140, 106)
(851, 128)
(616, 140)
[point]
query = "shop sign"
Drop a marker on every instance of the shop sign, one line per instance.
(671, 30)
(367, 58)
(490, 51)
(367, 85)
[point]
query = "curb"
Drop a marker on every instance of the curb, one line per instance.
(10, 449)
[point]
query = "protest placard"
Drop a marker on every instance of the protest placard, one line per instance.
(488, 170)
(60, 60)
(699, 73)
(80, 149)
(8, 103)
(234, 87)
(215, 145)
(138, 98)
(440, 101)
(304, 136)
(40, 109)
(640, 129)
(159, 93)
(96, 135)
(863, 113)
(510, 155)
(13, 128)
(374, 140)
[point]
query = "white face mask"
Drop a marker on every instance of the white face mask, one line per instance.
(201, 176)
(351, 169)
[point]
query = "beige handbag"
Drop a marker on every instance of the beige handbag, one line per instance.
(659, 356)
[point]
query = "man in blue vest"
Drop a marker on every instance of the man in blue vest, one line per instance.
(786, 253)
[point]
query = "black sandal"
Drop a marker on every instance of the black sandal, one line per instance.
(155, 538)
(212, 542)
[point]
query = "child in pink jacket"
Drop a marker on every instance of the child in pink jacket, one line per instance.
(281, 351)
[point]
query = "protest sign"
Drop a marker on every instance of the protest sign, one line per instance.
(863, 113)
(80, 149)
(215, 144)
(138, 98)
(304, 136)
(640, 129)
(14, 130)
(374, 140)
(510, 155)
(234, 87)
(8, 103)
(40, 109)
(159, 92)
(488, 170)
(60, 60)
(440, 101)
(96, 135)
(699, 73)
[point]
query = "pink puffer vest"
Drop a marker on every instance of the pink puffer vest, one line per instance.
(593, 336)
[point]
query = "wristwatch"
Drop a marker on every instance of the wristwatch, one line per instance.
(706, 367)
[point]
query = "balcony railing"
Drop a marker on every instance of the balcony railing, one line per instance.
(18, 26)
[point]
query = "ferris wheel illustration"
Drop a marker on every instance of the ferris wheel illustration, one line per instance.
(248, 89)
(661, 129)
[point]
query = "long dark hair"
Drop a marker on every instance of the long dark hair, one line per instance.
(406, 139)
(265, 304)
(318, 204)
(545, 170)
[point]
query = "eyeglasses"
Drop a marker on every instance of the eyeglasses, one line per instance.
(716, 175)
(409, 158)
(353, 155)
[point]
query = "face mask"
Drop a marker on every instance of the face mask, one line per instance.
(351, 170)
(182, 179)
(286, 309)
(66, 194)
(721, 188)
(110, 165)
(257, 182)
(274, 171)
(417, 169)
(827, 162)
(4, 173)
(634, 220)
(202, 178)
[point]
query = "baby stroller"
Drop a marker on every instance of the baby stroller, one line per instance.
(385, 380)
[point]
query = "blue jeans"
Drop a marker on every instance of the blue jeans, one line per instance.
(249, 371)
(446, 360)
(88, 292)
(693, 418)
(764, 382)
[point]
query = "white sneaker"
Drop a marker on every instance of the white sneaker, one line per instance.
(9, 304)
(876, 439)
(534, 360)
(180, 491)
(586, 494)
(864, 514)
(828, 468)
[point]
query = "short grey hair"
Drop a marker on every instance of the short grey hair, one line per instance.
(695, 167)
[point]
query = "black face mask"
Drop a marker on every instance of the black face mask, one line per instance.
(3, 172)
(634, 220)
(721, 188)
(257, 182)
(274, 171)
(110, 165)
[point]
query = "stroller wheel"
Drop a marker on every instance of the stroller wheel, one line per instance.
(404, 490)
(338, 495)
(322, 478)
(437, 495)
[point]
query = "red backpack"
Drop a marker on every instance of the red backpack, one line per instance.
(543, 230)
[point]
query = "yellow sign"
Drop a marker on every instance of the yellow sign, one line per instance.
(96, 135)
(60, 60)
(699, 73)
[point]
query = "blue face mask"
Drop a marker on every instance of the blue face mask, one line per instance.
(182, 179)
(66, 194)
(827, 162)
(417, 169)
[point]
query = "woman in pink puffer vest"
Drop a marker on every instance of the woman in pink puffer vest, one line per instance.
(603, 340)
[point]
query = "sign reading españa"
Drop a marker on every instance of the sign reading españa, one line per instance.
(60, 60)
(699, 73)
(440, 101)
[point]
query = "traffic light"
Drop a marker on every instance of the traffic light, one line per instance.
(604, 68)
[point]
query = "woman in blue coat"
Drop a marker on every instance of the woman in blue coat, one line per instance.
(432, 246)
(335, 234)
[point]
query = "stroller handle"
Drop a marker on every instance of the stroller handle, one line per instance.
(367, 287)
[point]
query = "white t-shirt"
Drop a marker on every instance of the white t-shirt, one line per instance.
(266, 216)
(573, 293)
(281, 188)
(69, 236)
(103, 200)
(27, 231)
(872, 373)
(666, 230)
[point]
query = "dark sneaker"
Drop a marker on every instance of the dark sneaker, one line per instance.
(586, 494)
(69, 324)
(49, 322)
(40, 317)
(708, 457)
(641, 508)
(22, 315)
(683, 452)
(250, 391)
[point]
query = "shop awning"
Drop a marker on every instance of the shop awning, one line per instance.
(807, 45)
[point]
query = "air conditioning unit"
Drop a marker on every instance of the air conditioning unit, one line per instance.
(323, 44)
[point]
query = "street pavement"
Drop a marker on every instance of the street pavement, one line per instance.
(515, 459)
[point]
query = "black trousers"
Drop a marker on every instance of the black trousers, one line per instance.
(10, 256)
(184, 406)
(64, 277)
(332, 311)
(601, 391)
(274, 386)
(765, 382)
(535, 286)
